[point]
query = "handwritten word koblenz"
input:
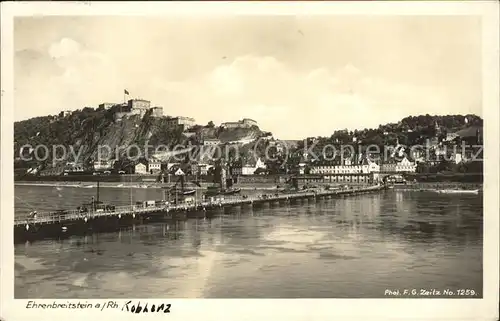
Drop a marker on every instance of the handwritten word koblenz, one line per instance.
(138, 308)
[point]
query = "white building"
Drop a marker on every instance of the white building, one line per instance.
(187, 122)
(179, 172)
(154, 166)
(157, 111)
(103, 165)
(204, 168)
(141, 168)
(139, 106)
(405, 165)
(244, 123)
(249, 168)
(107, 105)
(365, 166)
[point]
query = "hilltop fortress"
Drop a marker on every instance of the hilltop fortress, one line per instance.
(133, 107)
(244, 123)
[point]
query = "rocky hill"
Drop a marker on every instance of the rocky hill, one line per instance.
(85, 130)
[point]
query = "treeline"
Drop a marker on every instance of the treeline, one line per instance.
(410, 131)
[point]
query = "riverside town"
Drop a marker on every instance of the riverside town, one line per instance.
(125, 165)
(277, 156)
(196, 166)
(197, 174)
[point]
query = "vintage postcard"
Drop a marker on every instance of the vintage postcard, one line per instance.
(297, 154)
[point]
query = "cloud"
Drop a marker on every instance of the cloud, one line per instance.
(290, 103)
(64, 77)
(344, 72)
(64, 48)
(294, 103)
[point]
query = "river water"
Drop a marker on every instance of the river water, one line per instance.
(351, 247)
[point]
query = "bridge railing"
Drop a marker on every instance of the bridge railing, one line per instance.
(126, 209)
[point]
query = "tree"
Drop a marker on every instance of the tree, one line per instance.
(210, 124)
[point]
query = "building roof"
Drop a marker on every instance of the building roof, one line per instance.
(182, 117)
(139, 99)
(173, 170)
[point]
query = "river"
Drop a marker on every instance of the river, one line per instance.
(351, 247)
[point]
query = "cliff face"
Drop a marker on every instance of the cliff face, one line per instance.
(84, 131)
(243, 135)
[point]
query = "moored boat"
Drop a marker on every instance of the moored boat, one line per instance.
(458, 191)
(212, 191)
(189, 192)
(232, 191)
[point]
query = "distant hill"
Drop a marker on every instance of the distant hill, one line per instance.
(86, 129)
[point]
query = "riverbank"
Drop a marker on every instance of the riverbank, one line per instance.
(439, 186)
(203, 186)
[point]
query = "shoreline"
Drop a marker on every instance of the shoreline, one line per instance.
(245, 187)
(143, 185)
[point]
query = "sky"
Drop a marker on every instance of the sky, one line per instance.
(297, 76)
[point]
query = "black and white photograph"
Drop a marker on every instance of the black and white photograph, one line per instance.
(250, 156)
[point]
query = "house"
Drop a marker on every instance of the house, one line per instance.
(106, 105)
(139, 106)
(404, 165)
(103, 165)
(74, 168)
(323, 168)
(303, 164)
(154, 166)
(389, 165)
(141, 168)
(157, 111)
(363, 170)
(249, 167)
(369, 166)
(199, 168)
(134, 107)
(244, 123)
(186, 122)
(231, 125)
(204, 168)
(177, 171)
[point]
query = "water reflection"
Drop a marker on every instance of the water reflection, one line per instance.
(349, 247)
